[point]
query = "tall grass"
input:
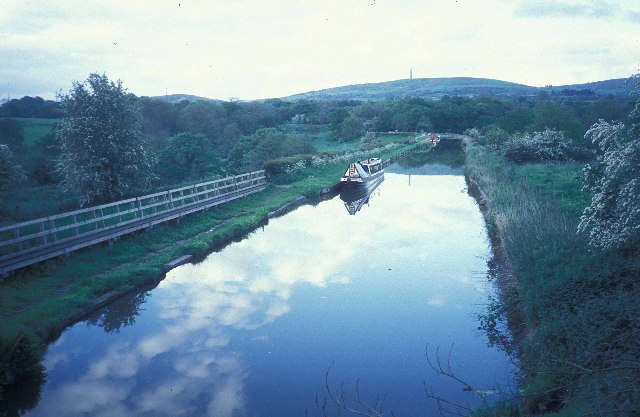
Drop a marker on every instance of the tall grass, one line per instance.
(578, 303)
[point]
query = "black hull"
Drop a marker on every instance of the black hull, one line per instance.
(354, 196)
(365, 180)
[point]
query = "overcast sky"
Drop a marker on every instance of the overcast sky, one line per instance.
(250, 49)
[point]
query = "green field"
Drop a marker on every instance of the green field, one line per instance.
(34, 129)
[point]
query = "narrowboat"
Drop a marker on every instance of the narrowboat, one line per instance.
(361, 172)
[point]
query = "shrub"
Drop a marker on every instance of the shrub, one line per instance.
(280, 166)
(545, 146)
(369, 141)
(473, 133)
(494, 137)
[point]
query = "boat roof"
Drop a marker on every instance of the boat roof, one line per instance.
(370, 161)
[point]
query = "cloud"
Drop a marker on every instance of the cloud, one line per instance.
(256, 49)
(437, 301)
(634, 16)
(563, 8)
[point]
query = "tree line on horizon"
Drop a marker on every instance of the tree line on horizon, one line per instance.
(187, 141)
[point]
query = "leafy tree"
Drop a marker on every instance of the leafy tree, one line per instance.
(104, 156)
(41, 165)
(251, 152)
(189, 156)
(159, 118)
(297, 145)
(336, 116)
(613, 217)
(552, 115)
(400, 122)
(205, 117)
(11, 132)
(31, 107)
(385, 120)
(516, 120)
(351, 128)
(10, 171)
(230, 136)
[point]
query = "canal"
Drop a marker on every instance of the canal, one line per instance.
(317, 300)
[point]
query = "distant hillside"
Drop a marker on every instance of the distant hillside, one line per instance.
(432, 88)
(177, 98)
(622, 87)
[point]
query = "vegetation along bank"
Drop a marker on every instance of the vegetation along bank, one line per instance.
(569, 231)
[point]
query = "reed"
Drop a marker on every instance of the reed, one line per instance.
(580, 352)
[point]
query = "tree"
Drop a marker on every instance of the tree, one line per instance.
(11, 133)
(41, 165)
(613, 217)
(204, 117)
(251, 151)
(159, 118)
(189, 156)
(336, 116)
(10, 171)
(558, 116)
(104, 156)
(351, 128)
(31, 107)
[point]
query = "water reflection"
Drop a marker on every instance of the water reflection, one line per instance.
(448, 153)
(252, 329)
(21, 378)
(355, 197)
(119, 314)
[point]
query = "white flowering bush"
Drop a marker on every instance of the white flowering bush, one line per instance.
(546, 146)
(613, 217)
(317, 162)
(473, 133)
(298, 166)
(348, 157)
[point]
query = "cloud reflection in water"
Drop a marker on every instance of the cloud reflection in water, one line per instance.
(184, 355)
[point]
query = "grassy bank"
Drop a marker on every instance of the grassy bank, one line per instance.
(579, 305)
(37, 302)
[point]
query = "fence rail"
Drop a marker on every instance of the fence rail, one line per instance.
(32, 241)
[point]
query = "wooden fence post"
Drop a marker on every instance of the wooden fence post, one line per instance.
(95, 223)
(52, 232)
(44, 237)
(16, 233)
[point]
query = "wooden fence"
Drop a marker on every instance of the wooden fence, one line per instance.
(394, 158)
(29, 242)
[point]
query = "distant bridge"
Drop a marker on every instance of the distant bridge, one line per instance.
(30, 242)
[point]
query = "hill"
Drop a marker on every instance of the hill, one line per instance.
(177, 98)
(433, 88)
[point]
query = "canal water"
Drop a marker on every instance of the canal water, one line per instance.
(316, 305)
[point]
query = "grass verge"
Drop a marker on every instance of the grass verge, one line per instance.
(579, 353)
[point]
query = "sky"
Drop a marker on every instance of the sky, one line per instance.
(253, 49)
